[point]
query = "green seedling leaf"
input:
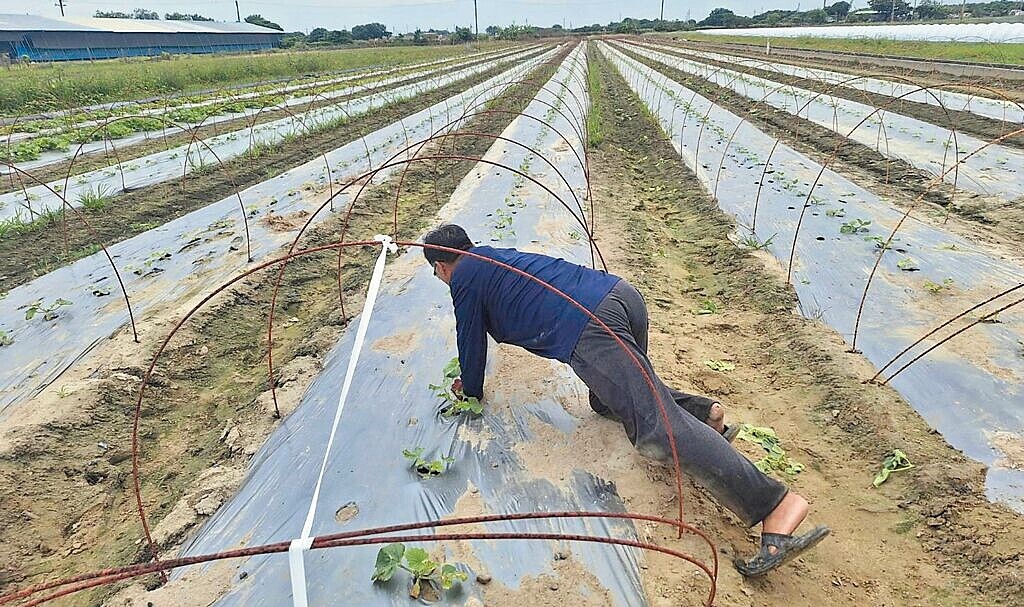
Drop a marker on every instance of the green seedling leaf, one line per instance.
(5, 339)
(706, 307)
(413, 454)
(907, 265)
(720, 365)
(469, 404)
(388, 559)
(775, 458)
(452, 369)
(449, 575)
(424, 467)
(854, 226)
(835, 213)
(418, 562)
(897, 461)
(935, 288)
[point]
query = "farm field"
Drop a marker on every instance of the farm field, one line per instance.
(971, 50)
(30, 89)
(833, 256)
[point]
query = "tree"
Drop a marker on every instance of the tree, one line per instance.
(815, 17)
(293, 39)
(339, 37)
(930, 9)
(184, 17)
(260, 21)
(463, 34)
(317, 35)
(890, 10)
(628, 26)
(493, 30)
(515, 32)
(370, 31)
(839, 10)
(723, 17)
(141, 13)
(417, 37)
(111, 15)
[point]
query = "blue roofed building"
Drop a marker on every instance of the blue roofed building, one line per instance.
(77, 38)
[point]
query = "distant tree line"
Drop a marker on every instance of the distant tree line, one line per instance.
(141, 13)
(322, 36)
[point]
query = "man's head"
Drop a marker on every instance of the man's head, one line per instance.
(451, 236)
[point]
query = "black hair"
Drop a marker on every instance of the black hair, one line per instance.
(446, 235)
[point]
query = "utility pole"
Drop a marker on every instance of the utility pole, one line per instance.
(238, 13)
(662, 17)
(60, 3)
(476, 21)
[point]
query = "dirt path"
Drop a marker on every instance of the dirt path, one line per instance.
(65, 464)
(926, 537)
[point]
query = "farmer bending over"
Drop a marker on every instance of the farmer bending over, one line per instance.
(516, 310)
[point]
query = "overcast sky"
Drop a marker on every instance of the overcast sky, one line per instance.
(407, 15)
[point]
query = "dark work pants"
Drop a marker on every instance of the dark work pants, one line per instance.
(618, 390)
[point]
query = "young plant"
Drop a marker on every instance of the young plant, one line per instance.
(95, 199)
(424, 467)
(455, 402)
(897, 461)
(854, 226)
(429, 578)
(750, 241)
(5, 339)
(907, 265)
(706, 307)
(49, 312)
(935, 288)
(775, 456)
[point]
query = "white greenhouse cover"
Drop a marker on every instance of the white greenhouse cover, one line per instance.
(960, 32)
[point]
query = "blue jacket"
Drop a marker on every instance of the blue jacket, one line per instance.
(516, 310)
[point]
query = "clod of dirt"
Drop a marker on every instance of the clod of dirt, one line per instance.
(346, 513)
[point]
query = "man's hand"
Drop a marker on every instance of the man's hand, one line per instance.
(457, 387)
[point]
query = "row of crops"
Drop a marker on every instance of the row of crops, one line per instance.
(180, 259)
(530, 190)
(30, 201)
(832, 235)
(129, 125)
(401, 448)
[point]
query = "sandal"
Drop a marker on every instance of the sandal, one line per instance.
(787, 547)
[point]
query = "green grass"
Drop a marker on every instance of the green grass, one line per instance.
(26, 89)
(96, 198)
(978, 52)
(595, 132)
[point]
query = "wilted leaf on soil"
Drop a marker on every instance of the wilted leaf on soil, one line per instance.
(896, 461)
